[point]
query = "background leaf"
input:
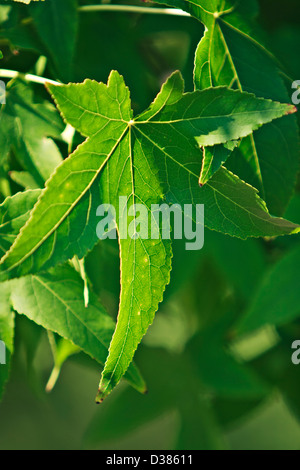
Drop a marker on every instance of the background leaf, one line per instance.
(220, 60)
(6, 333)
(55, 301)
(277, 299)
(26, 129)
(57, 23)
(14, 213)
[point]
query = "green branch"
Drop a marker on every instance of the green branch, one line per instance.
(4, 73)
(134, 9)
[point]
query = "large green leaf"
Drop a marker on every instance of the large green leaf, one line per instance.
(232, 53)
(277, 300)
(144, 160)
(26, 127)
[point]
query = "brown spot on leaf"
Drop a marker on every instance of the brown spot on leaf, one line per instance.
(292, 110)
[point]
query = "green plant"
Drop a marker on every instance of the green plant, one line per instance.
(232, 144)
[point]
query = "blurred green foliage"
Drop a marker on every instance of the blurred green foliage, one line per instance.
(210, 386)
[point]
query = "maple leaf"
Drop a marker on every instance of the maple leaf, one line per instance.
(153, 157)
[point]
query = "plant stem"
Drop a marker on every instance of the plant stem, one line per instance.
(86, 293)
(51, 339)
(52, 379)
(4, 73)
(80, 268)
(134, 9)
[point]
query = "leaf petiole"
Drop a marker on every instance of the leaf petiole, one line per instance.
(134, 9)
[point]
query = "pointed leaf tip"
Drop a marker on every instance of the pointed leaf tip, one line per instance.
(291, 110)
